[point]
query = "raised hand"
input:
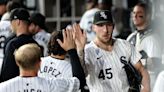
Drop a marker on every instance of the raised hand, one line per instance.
(79, 37)
(68, 41)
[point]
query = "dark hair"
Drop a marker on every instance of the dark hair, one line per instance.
(53, 46)
(145, 6)
(95, 2)
(3, 2)
(38, 19)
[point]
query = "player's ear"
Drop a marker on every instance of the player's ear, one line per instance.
(17, 63)
(38, 64)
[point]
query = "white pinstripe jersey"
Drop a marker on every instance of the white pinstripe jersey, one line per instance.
(55, 68)
(159, 84)
(37, 84)
(87, 21)
(42, 39)
(105, 70)
(5, 32)
(150, 42)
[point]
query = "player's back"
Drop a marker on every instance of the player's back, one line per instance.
(55, 68)
(37, 84)
(24, 84)
(42, 39)
(86, 23)
(87, 18)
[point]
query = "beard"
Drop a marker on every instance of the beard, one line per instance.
(107, 40)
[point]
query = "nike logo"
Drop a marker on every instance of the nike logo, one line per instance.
(99, 57)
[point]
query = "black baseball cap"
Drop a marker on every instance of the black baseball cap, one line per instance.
(21, 14)
(3, 2)
(103, 16)
(38, 19)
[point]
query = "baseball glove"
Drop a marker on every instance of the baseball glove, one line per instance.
(134, 77)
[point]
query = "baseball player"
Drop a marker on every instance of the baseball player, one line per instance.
(5, 28)
(103, 55)
(18, 16)
(146, 40)
(87, 19)
(28, 59)
(55, 65)
(38, 29)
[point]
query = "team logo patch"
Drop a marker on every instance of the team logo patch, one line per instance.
(103, 15)
(97, 51)
(15, 17)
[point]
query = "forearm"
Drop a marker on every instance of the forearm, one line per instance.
(77, 68)
(145, 80)
(81, 56)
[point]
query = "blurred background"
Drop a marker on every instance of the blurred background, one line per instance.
(61, 13)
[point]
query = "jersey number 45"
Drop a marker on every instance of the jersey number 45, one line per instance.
(105, 74)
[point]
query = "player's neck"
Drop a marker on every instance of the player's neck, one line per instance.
(27, 73)
(61, 57)
(40, 30)
(22, 30)
(141, 27)
(108, 46)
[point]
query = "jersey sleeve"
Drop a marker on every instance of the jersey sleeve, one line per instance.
(77, 69)
(159, 85)
(152, 46)
(65, 85)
